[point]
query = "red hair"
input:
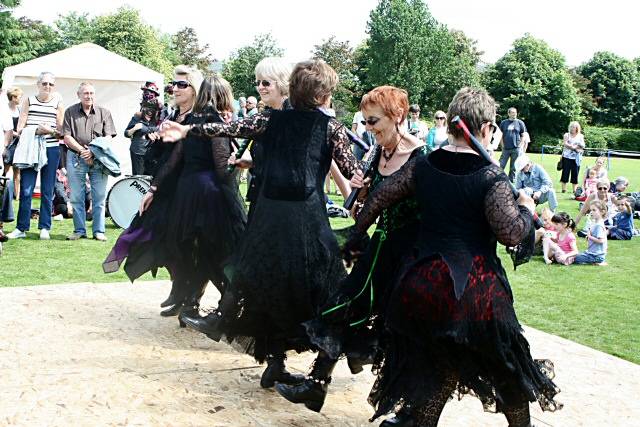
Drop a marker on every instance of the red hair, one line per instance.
(392, 100)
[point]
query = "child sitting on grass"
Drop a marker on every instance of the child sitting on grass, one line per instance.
(563, 246)
(622, 228)
(547, 230)
(596, 238)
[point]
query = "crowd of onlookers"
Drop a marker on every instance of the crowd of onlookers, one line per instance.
(72, 188)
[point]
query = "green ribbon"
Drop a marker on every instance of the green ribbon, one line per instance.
(368, 283)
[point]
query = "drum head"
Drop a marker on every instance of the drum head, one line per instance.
(124, 199)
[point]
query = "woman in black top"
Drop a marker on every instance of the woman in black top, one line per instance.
(451, 314)
(288, 262)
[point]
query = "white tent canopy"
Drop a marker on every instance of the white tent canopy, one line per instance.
(117, 81)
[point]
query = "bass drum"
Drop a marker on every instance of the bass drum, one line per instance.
(123, 200)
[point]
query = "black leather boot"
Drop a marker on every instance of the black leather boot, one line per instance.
(277, 372)
(313, 391)
(208, 325)
(174, 310)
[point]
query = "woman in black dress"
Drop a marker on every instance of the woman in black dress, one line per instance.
(352, 322)
(288, 261)
(203, 217)
(451, 316)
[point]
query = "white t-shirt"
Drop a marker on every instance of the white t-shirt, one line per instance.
(357, 119)
(6, 119)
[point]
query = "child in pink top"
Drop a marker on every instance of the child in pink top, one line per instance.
(591, 183)
(564, 245)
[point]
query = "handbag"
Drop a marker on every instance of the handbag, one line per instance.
(9, 151)
(559, 165)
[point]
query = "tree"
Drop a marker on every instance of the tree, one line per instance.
(188, 49)
(43, 38)
(74, 29)
(239, 69)
(15, 43)
(613, 80)
(533, 78)
(340, 56)
(408, 48)
(124, 33)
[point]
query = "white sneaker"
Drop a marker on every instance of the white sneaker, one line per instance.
(16, 234)
(100, 236)
(58, 217)
(44, 234)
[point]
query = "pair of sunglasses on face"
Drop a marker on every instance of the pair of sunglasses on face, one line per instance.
(180, 84)
(47, 84)
(371, 121)
(264, 83)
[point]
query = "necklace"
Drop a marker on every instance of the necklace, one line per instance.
(387, 157)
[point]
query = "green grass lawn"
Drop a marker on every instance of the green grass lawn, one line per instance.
(595, 306)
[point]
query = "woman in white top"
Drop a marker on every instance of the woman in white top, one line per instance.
(599, 167)
(44, 111)
(573, 147)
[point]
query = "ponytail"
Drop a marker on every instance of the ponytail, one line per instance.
(572, 224)
(564, 218)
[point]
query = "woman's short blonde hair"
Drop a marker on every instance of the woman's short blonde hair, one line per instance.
(312, 82)
(575, 125)
(190, 74)
(14, 92)
(474, 107)
(275, 69)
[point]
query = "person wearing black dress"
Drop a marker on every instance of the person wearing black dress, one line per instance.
(451, 316)
(288, 262)
(352, 323)
(203, 217)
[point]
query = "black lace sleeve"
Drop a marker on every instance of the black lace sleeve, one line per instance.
(341, 150)
(509, 222)
(396, 187)
(221, 150)
(247, 128)
(174, 161)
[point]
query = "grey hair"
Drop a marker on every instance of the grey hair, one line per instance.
(474, 107)
(276, 69)
(44, 74)
(84, 84)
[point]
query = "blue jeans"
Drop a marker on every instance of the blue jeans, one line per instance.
(6, 205)
(509, 155)
(587, 258)
(77, 170)
(47, 182)
(549, 196)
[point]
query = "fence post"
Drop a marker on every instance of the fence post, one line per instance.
(542, 153)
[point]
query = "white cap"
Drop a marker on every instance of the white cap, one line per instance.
(521, 162)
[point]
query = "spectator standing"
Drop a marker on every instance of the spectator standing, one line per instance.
(438, 135)
(573, 147)
(84, 122)
(535, 181)
(360, 129)
(44, 112)
(141, 125)
(513, 130)
(15, 98)
(417, 127)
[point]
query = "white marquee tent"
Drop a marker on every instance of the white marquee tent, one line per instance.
(117, 81)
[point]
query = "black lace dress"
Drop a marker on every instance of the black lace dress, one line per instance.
(194, 229)
(451, 316)
(352, 322)
(288, 262)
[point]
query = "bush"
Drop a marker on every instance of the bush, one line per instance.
(596, 137)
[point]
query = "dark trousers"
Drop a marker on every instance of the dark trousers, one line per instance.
(137, 163)
(47, 182)
(569, 167)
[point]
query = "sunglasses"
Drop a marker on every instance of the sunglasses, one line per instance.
(45, 84)
(441, 118)
(603, 188)
(371, 121)
(180, 84)
(265, 83)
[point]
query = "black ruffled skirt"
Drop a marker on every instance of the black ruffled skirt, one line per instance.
(476, 339)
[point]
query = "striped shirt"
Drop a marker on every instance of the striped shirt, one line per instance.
(44, 113)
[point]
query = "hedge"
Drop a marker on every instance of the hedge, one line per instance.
(605, 138)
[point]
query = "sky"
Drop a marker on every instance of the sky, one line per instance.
(577, 29)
